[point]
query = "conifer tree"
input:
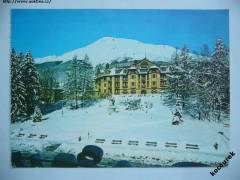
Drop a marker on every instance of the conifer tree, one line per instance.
(220, 79)
(179, 82)
(79, 79)
(48, 84)
(31, 83)
(18, 107)
(71, 85)
(85, 75)
(37, 116)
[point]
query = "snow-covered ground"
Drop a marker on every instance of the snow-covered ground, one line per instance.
(147, 124)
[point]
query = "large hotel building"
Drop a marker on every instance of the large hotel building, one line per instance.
(135, 77)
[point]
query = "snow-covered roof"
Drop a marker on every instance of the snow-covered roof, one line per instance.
(142, 71)
(164, 69)
(113, 71)
(132, 68)
(122, 72)
(154, 67)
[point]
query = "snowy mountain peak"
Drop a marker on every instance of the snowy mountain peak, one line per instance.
(107, 49)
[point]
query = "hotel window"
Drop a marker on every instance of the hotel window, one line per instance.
(153, 75)
(143, 85)
(143, 70)
(154, 83)
(117, 84)
(105, 84)
(154, 91)
(133, 76)
(143, 77)
(133, 83)
(117, 91)
(133, 91)
(144, 65)
(163, 82)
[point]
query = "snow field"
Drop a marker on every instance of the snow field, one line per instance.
(146, 124)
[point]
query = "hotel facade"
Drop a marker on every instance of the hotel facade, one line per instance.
(137, 77)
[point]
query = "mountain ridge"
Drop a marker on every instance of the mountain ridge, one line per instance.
(107, 49)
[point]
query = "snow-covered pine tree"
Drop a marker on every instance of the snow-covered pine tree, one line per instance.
(220, 79)
(220, 52)
(179, 78)
(37, 116)
(211, 84)
(97, 71)
(79, 79)
(71, 86)
(22, 88)
(106, 68)
(173, 80)
(85, 75)
(186, 86)
(86, 59)
(199, 102)
(18, 107)
(31, 83)
(48, 83)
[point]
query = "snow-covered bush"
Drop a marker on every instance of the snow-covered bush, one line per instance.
(133, 104)
(37, 116)
(112, 101)
(148, 105)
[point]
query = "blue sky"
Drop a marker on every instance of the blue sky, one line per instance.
(54, 32)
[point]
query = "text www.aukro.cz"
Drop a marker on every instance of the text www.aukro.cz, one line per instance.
(27, 1)
(222, 164)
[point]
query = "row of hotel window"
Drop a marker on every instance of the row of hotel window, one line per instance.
(133, 84)
(132, 91)
(133, 76)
